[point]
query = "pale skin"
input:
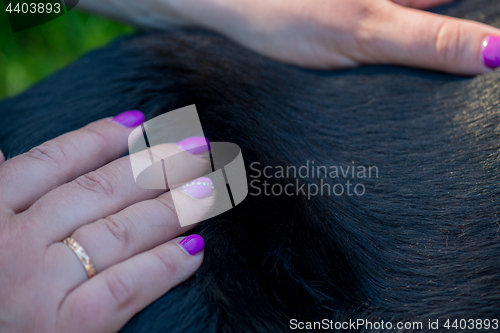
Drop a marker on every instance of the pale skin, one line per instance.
(76, 185)
(324, 34)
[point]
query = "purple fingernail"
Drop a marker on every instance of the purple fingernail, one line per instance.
(199, 188)
(192, 244)
(195, 145)
(491, 51)
(130, 118)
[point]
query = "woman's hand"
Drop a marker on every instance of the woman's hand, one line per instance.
(328, 34)
(334, 34)
(75, 186)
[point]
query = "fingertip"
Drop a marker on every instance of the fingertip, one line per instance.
(195, 145)
(2, 157)
(194, 201)
(490, 53)
(437, 42)
(190, 252)
(130, 119)
(199, 188)
(191, 245)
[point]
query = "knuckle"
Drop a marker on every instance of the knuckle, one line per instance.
(15, 229)
(121, 287)
(167, 205)
(49, 152)
(364, 31)
(97, 136)
(98, 182)
(368, 12)
(367, 9)
(162, 151)
(120, 228)
(362, 14)
(171, 267)
(449, 43)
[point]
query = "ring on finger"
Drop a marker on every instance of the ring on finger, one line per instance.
(84, 258)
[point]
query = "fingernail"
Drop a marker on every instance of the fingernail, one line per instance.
(199, 188)
(130, 118)
(195, 145)
(192, 244)
(491, 52)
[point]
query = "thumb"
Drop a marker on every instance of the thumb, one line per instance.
(416, 38)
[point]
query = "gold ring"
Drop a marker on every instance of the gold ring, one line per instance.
(82, 255)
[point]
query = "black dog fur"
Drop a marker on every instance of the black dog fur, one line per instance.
(422, 243)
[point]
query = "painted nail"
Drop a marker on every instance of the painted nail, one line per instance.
(130, 118)
(192, 244)
(491, 52)
(195, 145)
(199, 188)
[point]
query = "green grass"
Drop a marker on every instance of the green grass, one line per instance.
(28, 56)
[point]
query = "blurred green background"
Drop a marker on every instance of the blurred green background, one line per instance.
(30, 55)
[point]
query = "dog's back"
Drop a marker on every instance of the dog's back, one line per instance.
(418, 239)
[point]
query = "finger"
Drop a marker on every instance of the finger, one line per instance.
(104, 192)
(404, 36)
(2, 157)
(135, 229)
(422, 4)
(25, 178)
(108, 300)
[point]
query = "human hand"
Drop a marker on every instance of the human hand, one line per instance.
(335, 34)
(74, 186)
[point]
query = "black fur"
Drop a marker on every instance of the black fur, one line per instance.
(422, 243)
